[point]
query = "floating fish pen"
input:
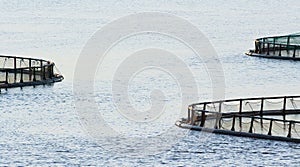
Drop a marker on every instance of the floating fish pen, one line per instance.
(275, 118)
(277, 47)
(21, 71)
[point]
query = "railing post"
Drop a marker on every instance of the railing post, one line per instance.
(251, 125)
(6, 77)
(233, 123)
(290, 130)
(261, 112)
(268, 48)
(270, 128)
(263, 45)
(240, 113)
(41, 64)
(204, 106)
(34, 78)
(189, 114)
(15, 69)
(52, 71)
(21, 80)
(203, 118)
(41, 70)
(294, 54)
(192, 117)
(280, 50)
(274, 46)
(284, 108)
(261, 107)
(257, 46)
(49, 68)
(30, 70)
(220, 111)
(218, 121)
(44, 72)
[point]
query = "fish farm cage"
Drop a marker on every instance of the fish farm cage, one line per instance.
(275, 118)
(20, 71)
(278, 47)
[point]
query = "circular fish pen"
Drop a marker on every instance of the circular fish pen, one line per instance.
(277, 47)
(20, 72)
(275, 118)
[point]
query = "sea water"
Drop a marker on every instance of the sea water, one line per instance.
(42, 126)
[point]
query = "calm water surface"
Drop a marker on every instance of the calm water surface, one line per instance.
(40, 126)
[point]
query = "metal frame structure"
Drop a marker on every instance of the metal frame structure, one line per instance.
(277, 47)
(261, 120)
(20, 71)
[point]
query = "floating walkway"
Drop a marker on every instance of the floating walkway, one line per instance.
(21, 71)
(277, 47)
(274, 118)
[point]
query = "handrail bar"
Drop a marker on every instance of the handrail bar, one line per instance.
(26, 58)
(256, 117)
(245, 99)
(24, 68)
(280, 36)
(269, 119)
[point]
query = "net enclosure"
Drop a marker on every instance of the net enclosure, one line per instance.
(280, 47)
(20, 71)
(276, 118)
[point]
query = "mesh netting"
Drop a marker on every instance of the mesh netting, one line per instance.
(198, 107)
(280, 128)
(8, 62)
(211, 119)
(292, 39)
(296, 131)
(20, 70)
(293, 103)
(283, 46)
(251, 105)
(275, 116)
(274, 104)
(261, 126)
(230, 107)
(212, 107)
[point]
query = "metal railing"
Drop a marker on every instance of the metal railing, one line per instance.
(280, 50)
(255, 124)
(248, 115)
(269, 46)
(240, 104)
(19, 70)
